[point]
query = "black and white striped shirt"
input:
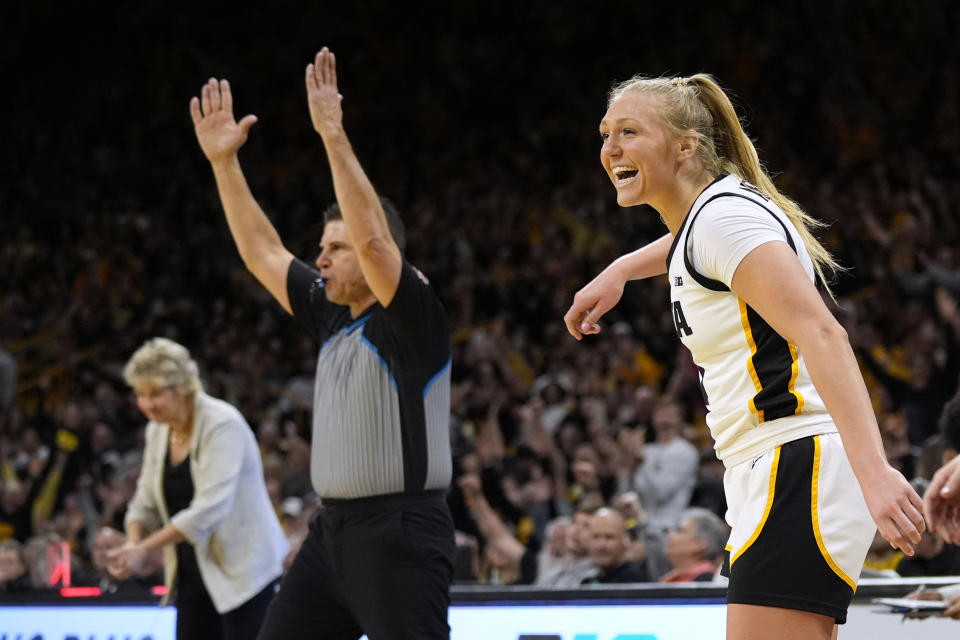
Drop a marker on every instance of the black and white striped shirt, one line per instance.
(382, 391)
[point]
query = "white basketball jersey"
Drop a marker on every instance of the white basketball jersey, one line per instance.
(755, 383)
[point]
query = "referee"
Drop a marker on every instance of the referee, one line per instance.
(377, 560)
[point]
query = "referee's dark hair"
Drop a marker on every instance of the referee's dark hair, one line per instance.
(393, 221)
(950, 423)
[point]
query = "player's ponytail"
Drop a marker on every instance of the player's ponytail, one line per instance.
(699, 104)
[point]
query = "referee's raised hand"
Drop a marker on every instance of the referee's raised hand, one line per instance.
(219, 134)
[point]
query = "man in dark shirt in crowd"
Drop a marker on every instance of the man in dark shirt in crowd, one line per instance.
(608, 548)
(378, 557)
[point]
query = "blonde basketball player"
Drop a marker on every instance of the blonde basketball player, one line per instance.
(807, 480)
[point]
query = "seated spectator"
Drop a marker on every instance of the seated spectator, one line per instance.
(695, 547)
(576, 565)
(608, 549)
(13, 568)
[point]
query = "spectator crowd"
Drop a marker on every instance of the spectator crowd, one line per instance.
(575, 463)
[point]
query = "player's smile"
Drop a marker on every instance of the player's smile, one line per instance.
(624, 175)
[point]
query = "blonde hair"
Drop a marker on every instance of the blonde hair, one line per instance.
(163, 361)
(698, 104)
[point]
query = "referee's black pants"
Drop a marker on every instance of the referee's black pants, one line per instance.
(379, 566)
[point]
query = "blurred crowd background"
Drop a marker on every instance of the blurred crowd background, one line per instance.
(574, 462)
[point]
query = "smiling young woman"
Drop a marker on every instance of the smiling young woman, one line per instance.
(806, 475)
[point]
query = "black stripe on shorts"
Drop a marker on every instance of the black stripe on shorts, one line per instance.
(784, 566)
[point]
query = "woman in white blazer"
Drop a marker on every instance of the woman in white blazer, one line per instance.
(201, 496)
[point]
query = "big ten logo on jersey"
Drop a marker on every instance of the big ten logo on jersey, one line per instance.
(590, 636)
(679, 321)
(752, 189)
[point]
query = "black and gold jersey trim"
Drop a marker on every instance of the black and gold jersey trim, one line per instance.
(773, 366)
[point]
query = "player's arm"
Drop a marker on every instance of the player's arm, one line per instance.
(801, 317)
(220, 137)
(363, 216)
(604, 291)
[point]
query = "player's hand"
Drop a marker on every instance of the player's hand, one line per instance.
(592, 301)
(219, 134)
(323, 98)
(895, 507)
(941, 502)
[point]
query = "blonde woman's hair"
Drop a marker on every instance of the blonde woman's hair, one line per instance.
(164, 362)
(700, 105)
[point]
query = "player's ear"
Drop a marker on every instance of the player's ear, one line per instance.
(687, 144)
